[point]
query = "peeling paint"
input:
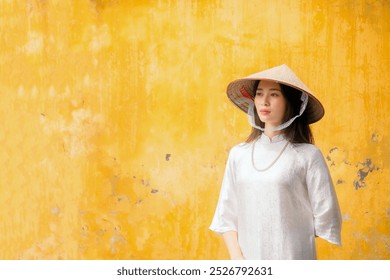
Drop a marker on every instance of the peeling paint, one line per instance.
(145, 183)
(139, 201)
(346, 217)
(337, 159)
(375, 137)
(329, 158)
(77, 133)
(363, 172)
(337, 156)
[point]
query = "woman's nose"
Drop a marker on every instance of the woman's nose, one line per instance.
(264, 100)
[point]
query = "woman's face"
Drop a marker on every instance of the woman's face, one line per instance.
(270, 103)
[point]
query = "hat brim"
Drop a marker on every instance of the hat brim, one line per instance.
(242, 91)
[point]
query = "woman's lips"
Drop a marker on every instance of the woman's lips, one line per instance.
(264, 112)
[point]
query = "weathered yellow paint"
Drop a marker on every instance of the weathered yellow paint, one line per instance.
(115, 126)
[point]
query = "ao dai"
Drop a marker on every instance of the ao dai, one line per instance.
(278, 212)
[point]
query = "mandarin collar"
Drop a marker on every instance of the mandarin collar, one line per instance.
(266, 140)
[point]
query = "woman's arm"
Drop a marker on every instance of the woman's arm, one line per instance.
(231, 241)
(323, 200)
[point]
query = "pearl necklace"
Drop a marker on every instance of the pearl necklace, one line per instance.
(268, 167)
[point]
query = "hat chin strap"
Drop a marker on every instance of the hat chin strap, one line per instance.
(251, 115)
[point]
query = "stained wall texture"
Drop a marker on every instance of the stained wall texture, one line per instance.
(115, 126)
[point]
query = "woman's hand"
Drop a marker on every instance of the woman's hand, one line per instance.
(231, 241)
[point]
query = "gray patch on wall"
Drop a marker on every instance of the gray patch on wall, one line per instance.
(375, 137)
(365, 169)
(329, 158)
(340, 181)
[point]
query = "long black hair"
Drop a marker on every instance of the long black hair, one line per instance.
(299, 131)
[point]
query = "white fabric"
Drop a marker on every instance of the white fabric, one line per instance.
(251, 115)
(278, 213)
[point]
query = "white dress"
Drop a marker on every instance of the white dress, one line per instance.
(278, 212)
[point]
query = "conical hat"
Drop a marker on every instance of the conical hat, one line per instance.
(242, 91)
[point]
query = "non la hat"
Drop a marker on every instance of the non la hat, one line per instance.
(242, 91)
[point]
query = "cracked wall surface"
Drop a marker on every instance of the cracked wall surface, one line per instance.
(115, 126)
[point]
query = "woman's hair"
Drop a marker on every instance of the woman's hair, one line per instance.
(299, 131)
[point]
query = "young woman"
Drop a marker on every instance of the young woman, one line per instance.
(277, 194)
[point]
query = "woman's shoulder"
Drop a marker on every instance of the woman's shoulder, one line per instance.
(239, 149)
(307, 150)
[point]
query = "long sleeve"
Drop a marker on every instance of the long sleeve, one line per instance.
(225, 217)
(323, 200)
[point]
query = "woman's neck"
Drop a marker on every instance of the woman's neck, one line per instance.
(271, 134)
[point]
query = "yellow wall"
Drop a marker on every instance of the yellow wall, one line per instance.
(115, 126)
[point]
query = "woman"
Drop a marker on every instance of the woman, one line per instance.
(277, 194)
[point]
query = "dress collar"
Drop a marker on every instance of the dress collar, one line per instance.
(266, 140)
